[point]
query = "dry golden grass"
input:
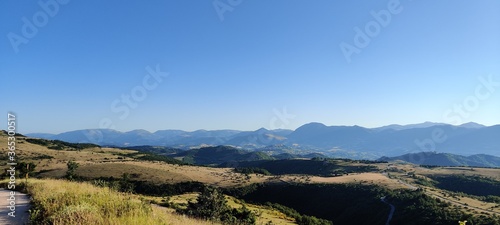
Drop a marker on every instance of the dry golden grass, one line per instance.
(487, 172)
(29, 152)
(106, 162)
(264, 214)
(465, 204)
(363, 178)
(473, 205)
(68, 203)
(159, 172)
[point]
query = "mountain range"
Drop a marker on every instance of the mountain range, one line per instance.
(335, 141)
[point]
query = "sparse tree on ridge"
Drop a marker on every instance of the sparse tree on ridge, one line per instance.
(71, 173)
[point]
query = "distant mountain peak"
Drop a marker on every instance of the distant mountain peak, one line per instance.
(314, 124)
(138, 131)
(262, 129)
(472, 125)
(345, 141)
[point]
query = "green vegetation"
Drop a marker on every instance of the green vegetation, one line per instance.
(220, 154)
(61, 145)
(71, 173)
(76, 203)
(342, 204)
(485, 188)
(474, 185)
(127, 184)
(24, 168)
(154, 149)
(42, 156)
(359, 204)
(424, 181)
(212, 205)
(316, 166)
(299, 218)
(415, 207)
(151, 156)
(160, 158)
(251, 170)
(365, 161)
(323, 204)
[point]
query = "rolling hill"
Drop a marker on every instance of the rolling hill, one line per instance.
(296, 190)
(447, 159)
(334, 141)
(218, 155)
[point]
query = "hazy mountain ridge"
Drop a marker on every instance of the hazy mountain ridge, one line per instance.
(447, 159)
(335, 141)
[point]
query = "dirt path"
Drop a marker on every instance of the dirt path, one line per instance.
(22, 206)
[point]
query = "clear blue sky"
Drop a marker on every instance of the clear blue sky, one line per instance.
(263, 56)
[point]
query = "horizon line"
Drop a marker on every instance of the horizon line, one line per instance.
(228, 129)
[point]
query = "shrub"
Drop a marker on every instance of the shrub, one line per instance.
(212, 205)
(71, 173)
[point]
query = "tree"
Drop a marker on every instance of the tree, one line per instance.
(212, 205)
(242, 216)
(126, 184)
(71, 173)
(25, 168)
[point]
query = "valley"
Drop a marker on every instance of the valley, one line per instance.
(353, 142)
(167, 183)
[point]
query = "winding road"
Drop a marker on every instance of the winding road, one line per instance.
(21, 208)
(391, 213)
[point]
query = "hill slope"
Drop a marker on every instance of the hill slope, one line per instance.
(447, 159)
(219, 154)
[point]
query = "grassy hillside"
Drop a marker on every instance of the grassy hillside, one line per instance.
(472, 185)
(219, 154)
(160, 176)
(60, 145)
(74, 203)
(315, 166)
(361, 204)
(154, 149)
(447, 159)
